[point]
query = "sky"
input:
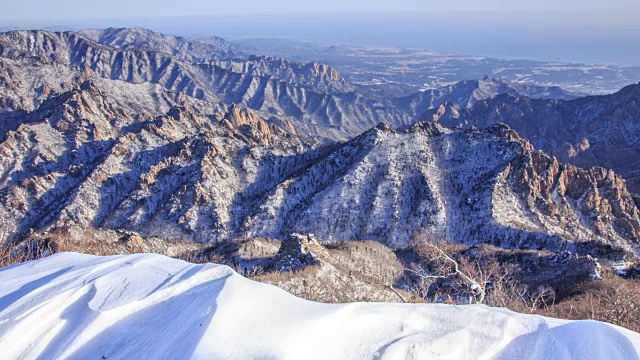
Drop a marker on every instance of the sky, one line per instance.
(20, 9)
(588, 31)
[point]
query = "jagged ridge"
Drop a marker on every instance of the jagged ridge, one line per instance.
(314, 96)
(183, 175)
(468, 92)
(590, 131)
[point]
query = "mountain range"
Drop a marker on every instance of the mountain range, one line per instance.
(397, 71)
(127, 129)
(313, 96)
(467, 93)
(332, 190)
(590, 131)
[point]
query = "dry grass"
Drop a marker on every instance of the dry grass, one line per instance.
(444, 274)
(612, 299)
(97, 242)
(280, 276)
(12, 255)
(202, 257)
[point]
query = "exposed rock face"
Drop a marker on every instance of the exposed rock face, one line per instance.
(254, 127)
(468, 92)
(596, 199)
(591, 131)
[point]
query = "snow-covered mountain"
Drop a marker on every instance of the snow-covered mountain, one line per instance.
(187, 49)
(76, 306)
(467, 93)
(81, 159)
(121, 132)
(313, 96)
(590, 131)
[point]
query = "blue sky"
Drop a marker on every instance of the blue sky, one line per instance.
(591, 31)
(20, 9)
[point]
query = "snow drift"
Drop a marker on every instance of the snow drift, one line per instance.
(76, 306)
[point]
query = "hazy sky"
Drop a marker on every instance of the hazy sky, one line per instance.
(30, 9)
(592, 31)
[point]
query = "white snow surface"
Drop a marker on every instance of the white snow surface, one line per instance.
(73, 306)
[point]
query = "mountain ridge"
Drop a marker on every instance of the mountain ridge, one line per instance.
(183, 175)
(467, 93)
(195, 160)
(329, 115)
(590, 131)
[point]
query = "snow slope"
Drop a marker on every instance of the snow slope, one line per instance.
(76, 306)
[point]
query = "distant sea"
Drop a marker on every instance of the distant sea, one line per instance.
(577, 37)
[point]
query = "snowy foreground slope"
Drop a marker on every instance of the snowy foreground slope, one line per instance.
(149, 307)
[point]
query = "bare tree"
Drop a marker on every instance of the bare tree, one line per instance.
(481, 280)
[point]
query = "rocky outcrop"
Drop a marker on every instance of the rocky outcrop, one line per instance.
(599, 194)
(296, 252)
(254, 127)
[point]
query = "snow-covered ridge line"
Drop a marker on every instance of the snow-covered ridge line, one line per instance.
(76, 306)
